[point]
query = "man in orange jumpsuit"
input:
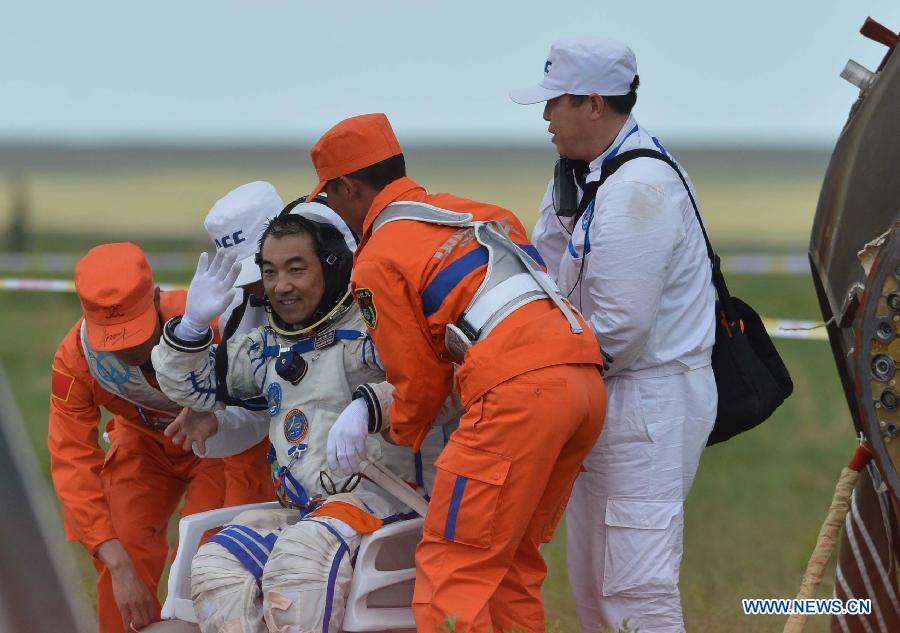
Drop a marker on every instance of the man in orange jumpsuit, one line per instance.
(118, 505)
(443, 280)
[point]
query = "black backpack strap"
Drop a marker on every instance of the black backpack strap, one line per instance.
(589, 190)
(234, 319)
(254, 404)
(610, 167)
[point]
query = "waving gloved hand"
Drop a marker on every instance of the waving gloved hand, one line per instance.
(347, 438)
(210, 292)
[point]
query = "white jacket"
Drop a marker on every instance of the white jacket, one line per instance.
(239, 428)
(646, 291)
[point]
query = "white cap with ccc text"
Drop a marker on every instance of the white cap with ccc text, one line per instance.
(237, 220)
(582, 66)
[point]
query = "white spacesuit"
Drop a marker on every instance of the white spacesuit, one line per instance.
(290, 569)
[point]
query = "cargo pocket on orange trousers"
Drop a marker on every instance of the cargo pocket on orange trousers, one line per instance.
(467, 488)
(642, 550)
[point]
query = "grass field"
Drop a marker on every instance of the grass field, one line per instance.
(758, 500)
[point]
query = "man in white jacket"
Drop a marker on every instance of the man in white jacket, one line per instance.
(234, 224)
(290, 569)
(635, 264)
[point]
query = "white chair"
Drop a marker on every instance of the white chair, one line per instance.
(380, 592)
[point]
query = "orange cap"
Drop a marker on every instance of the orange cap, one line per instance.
(352, 144)
(116, 289)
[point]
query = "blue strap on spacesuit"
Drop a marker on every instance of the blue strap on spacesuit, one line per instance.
(289, 491)
(308, 345)
(343, 550)
(293, 489)
(249, 547)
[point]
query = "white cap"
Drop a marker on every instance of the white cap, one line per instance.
(582, 66)
(237, 220)
(318, 212)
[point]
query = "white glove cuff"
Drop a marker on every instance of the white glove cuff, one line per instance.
(373, 408)
(182, 344)
(188, 330)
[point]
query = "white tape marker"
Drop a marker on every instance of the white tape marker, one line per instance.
(55, 285)
(779, 328)
(789, 328)
(18, 263)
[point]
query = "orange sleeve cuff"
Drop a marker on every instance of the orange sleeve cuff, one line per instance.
(96, 538)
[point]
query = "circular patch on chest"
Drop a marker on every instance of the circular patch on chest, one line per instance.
(296, 426)
(273, 398)
(111, 370)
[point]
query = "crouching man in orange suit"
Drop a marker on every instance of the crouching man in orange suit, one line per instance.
(118, 505)
(443, 280)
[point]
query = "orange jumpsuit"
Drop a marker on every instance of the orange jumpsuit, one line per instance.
(534, 405)
(130, 492)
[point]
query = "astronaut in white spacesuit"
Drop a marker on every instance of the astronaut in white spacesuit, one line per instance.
(290, 569)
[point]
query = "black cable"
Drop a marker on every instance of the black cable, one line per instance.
(556, 210)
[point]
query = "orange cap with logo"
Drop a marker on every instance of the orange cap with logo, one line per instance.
(116, 289)
(352, 144)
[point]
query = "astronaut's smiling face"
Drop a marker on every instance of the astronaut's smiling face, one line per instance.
(292, 276)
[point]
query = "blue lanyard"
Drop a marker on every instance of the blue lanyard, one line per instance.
(619, 146)
(589, 212)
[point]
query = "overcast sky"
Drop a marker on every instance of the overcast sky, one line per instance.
(764, 71)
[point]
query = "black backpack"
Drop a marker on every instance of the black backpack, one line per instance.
(751, 378)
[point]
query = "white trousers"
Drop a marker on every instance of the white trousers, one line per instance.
(302, 585)
(625, 518)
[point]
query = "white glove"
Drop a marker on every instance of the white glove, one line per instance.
(211, 291)
(347, 438)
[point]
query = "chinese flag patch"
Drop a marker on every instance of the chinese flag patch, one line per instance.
(61, 385)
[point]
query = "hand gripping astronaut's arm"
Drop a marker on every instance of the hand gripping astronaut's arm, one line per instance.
(379, 397)
(421, 380)
(239, 429)
(369, 414)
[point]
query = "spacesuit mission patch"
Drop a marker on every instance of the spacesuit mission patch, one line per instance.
(273, 398)
(366, 302)
(296, 426)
